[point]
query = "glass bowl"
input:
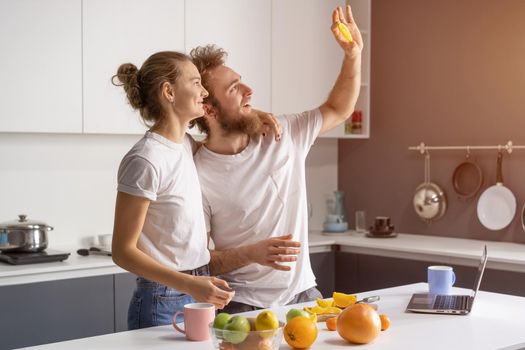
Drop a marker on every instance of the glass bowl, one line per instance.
(253, 340)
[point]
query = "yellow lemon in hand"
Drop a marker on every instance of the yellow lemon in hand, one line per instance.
(344, 30)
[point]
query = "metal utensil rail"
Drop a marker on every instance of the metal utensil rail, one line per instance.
(423, 148)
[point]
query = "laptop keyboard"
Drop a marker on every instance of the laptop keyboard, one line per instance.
(451, 302)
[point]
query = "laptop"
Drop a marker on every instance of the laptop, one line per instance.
(448, 304)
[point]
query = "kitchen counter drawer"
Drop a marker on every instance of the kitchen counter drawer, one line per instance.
(45, 312)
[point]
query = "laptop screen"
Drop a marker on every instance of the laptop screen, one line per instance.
(481, 269)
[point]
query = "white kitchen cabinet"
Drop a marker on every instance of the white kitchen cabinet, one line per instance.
(243, 29)
(116, 32)
(306, 59)
(40, 66)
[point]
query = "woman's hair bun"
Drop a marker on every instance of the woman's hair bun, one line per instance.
(127, 76)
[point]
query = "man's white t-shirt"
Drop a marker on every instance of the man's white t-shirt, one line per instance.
(257, 194)
(174, 232)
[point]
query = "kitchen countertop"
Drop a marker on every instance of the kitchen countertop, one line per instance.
(496, 322)
(446, 250)
(75, 266)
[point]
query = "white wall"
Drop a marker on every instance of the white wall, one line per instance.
(321, 178)
(69, 181)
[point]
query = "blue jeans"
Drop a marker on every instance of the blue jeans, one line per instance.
(153, 304)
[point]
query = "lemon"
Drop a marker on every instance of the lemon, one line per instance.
(266, 320)
(344, 30)
(343, 300)
(325, 302)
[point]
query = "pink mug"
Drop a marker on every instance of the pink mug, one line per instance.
(197, 317)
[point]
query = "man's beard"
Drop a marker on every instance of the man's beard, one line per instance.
(246, 124)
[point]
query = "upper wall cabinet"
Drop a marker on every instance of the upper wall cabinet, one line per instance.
(243, 29)
(306, 59)
(58, 56)
(116, 32)
(40, 66)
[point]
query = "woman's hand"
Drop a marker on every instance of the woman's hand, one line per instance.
(206, 289)
(270, 124)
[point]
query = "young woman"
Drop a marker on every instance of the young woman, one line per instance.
(159, 231)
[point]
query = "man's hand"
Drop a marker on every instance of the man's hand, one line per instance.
(352, 48)
(273, 251)
(343, 97)
(270, 124)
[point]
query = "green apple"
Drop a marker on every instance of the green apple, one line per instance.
(221, 319)
(296, 312)
(236, 329)
(219, 322)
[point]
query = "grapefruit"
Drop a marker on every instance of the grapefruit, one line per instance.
(359, 324)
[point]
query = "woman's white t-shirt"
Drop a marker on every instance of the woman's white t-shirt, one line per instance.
(174, 232)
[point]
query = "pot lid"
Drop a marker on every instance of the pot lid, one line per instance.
(24, 224)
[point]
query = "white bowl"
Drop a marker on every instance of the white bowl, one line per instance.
(335, 226)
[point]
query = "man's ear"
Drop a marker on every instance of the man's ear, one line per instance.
(167, 92)
(209, 111)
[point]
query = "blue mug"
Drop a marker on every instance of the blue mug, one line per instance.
(440, 279)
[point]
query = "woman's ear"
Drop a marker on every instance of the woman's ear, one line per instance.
(167, 92)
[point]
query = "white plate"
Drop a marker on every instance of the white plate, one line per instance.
(496, 207)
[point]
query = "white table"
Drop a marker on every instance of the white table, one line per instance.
(496, 322)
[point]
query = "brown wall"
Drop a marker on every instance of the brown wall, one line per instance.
(445, 72)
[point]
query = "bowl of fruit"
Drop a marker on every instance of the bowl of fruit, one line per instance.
(237, 332)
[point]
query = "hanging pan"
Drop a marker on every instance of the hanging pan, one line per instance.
(467, 178)
(430, 202)
(523, 217)
(497, 204)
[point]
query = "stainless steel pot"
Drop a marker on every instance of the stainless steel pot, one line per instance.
(430, 202)
(23, 235)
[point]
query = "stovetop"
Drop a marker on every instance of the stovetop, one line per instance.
(33, 258)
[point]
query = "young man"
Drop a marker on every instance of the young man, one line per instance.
(254, 192)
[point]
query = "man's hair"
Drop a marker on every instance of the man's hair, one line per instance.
(205, 59)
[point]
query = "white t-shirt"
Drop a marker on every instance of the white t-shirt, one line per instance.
(163, 171)
(257, 194)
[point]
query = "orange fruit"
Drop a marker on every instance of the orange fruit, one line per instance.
(331, 323)
(385, 322)
(300, 332)
(359, 323)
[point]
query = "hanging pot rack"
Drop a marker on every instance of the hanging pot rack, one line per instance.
(422, 148)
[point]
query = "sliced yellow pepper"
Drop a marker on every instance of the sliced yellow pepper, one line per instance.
(323, 310)
(325, 302)
(343, 300)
